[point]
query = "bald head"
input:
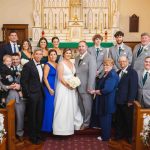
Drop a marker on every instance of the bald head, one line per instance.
(123, 61)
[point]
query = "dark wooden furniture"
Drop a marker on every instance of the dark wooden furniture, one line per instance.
(21, 29)
(9, 124)
(131, 44)
(138, 126)
(134, 23)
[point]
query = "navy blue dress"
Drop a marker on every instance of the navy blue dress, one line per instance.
(49, 101)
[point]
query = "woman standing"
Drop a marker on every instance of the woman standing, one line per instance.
(26, 52)
(55, 42)
(105, 98)
(67, 115)
(49, 90)
(43, 44)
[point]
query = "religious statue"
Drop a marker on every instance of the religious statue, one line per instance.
(36, 18)
(116, 19)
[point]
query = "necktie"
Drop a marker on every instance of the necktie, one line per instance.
(121, 74)
(15, 48)
(139, 51)
(80, 60)
(97, 51)
(145, 78)
(119, 50)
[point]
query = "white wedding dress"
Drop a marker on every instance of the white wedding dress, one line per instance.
(67, 115)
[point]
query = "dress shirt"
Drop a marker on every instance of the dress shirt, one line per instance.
(12, 46)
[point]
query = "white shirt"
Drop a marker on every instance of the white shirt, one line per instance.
(40, 71)
(145, 72)
(12, 47)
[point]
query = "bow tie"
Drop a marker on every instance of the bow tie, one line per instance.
(38, 64)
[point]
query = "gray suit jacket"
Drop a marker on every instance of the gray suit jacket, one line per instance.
(114, 54)
(144, 91)
(138, 62)
(86, 72)
(100, 58)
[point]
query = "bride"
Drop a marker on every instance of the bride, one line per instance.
(67, 115)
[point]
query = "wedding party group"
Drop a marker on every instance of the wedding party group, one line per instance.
(60, 95)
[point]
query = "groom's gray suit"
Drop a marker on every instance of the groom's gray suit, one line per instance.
(86, 71)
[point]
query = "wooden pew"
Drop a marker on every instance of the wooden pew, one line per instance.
(138, 126)
(9, 123)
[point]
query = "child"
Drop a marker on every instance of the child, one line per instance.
(8, 76)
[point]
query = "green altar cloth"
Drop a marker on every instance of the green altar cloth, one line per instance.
(75, 44)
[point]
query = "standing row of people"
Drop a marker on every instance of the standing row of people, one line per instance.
(65, 109)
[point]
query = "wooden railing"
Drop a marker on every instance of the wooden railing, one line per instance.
(138, 125)
(9, 124)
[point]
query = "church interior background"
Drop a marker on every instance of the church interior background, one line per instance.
(75, 20)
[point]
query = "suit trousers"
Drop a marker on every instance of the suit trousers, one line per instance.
(35, 114)
(85, 104)
(19, 111)
(124, 119)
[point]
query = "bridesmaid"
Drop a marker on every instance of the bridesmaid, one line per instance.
(55, 42)
(49, 90)
(26, 52)
(43, 44)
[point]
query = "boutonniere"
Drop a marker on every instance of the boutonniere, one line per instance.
(42, 65)
(125, 72)
(122, 48)
(100, 49)
(18, 45)
(83, 63)
(145, 49)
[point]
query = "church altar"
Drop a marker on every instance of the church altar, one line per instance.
(75, 44)
(75, 20)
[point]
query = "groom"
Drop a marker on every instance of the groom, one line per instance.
(86, 71)
(31, 81)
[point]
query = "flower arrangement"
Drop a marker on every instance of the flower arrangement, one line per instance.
(74, 82)
(145, 134)
(2, 130)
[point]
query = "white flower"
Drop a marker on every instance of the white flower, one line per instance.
(24, 61)
(2, 130)
(18, 45)
(146, 48)
(74, 82)
(125, 71)
(42, 65)
(146, 130)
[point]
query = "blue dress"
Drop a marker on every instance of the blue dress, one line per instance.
(49, 101)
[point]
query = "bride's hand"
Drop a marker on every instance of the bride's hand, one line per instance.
(51, 91)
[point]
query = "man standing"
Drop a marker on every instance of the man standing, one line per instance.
(141, 51)
(86, 71)
(125, 95)
(10, 47)
(19, 104)
(144, 84)
(31, 81)
(98, 53)
(120, 49)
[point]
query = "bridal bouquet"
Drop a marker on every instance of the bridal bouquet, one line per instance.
(145, 134)
(74, 82)
(2, 130)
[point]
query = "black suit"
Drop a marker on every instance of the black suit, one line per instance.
(127, 92)
(6, 49)
(33, 89)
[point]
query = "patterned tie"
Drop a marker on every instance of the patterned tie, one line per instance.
(97, 51)
(139, 51)
(119, 50)
(80, 60)
(15, 48)
(145, 78)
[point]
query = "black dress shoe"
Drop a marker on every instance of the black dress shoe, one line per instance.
(20, 138)
(40, 138)
(35, 141)
(129, 140)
